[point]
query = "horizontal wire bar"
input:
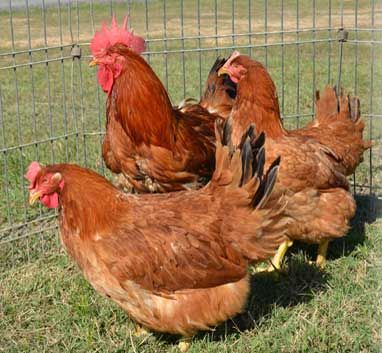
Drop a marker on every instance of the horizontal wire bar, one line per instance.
(45, 229)
(35, 62)
(34, 50)
(246, 34)
(177, 51)
(352, 41)
(212, 36)
(15, 227)
(49, 139)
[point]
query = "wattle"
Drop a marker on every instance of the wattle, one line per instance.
(50, 201)
(105, 78)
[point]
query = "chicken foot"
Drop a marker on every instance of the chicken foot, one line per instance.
(184, 344)
(140, 331)
(279, 256)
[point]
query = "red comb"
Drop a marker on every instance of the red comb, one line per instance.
(233, 56)
(32, 172)
(107, 37)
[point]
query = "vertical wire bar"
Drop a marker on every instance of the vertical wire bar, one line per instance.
(282, 59)
(183, 56)
(355, 72)
(330, 41)
(342, 13)
(49, 93)
(111, 7)
(43, 10)
(314, 58)
(99, 109)
(165, 42)
(5, 157)
(34, 122)
(199, 52)
(147, 30)
(340, 50)
(250, 27)
(19, 137)
(298, 64)
(372, 59)
(91, 14)
(79, 61)
(266, 31)
(73, 101)
(65, 115)
(216, 26)
(233, 22)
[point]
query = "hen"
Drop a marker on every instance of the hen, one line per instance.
(315, 159)
(158, 148)
(219, 91)
(175, 262)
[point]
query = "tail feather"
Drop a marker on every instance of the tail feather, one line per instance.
(265, 189)
(338, 126)
(250, 199)
(251, 166)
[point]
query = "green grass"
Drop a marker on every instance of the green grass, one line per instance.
(46, 305)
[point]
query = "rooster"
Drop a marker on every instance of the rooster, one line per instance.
(175, 262)
(157, 148)
(315, 159)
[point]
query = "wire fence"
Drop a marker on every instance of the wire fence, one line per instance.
(52, 110)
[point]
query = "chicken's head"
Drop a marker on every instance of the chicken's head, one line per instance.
(234, 67)
(110, 62)
(44, 185)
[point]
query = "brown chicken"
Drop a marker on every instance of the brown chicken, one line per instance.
(158, 148)
(219, 91)
(175, 262)
(315, 159)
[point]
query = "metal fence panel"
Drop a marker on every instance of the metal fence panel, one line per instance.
(52, 110)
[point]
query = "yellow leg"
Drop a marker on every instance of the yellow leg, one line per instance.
(278, 258)
(140, 331)
(184, 344)
(321, 255)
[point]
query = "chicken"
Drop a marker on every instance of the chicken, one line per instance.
(175, 262)
(219, 92)
(157, 148)
(315, 159)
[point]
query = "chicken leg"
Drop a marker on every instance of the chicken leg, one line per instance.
(321, 255)
(279, 256)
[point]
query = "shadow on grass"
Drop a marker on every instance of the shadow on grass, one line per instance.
(299, 283)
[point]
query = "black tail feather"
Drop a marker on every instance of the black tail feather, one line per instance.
(252, 153)
(263, 192)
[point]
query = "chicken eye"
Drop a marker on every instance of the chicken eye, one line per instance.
(45, 180)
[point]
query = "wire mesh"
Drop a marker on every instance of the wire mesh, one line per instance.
(52, 110)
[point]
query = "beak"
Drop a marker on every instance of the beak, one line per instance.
(223, 70)
(34, 196)
(94, 62)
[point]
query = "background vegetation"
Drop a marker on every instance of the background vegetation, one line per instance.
(54, 112)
